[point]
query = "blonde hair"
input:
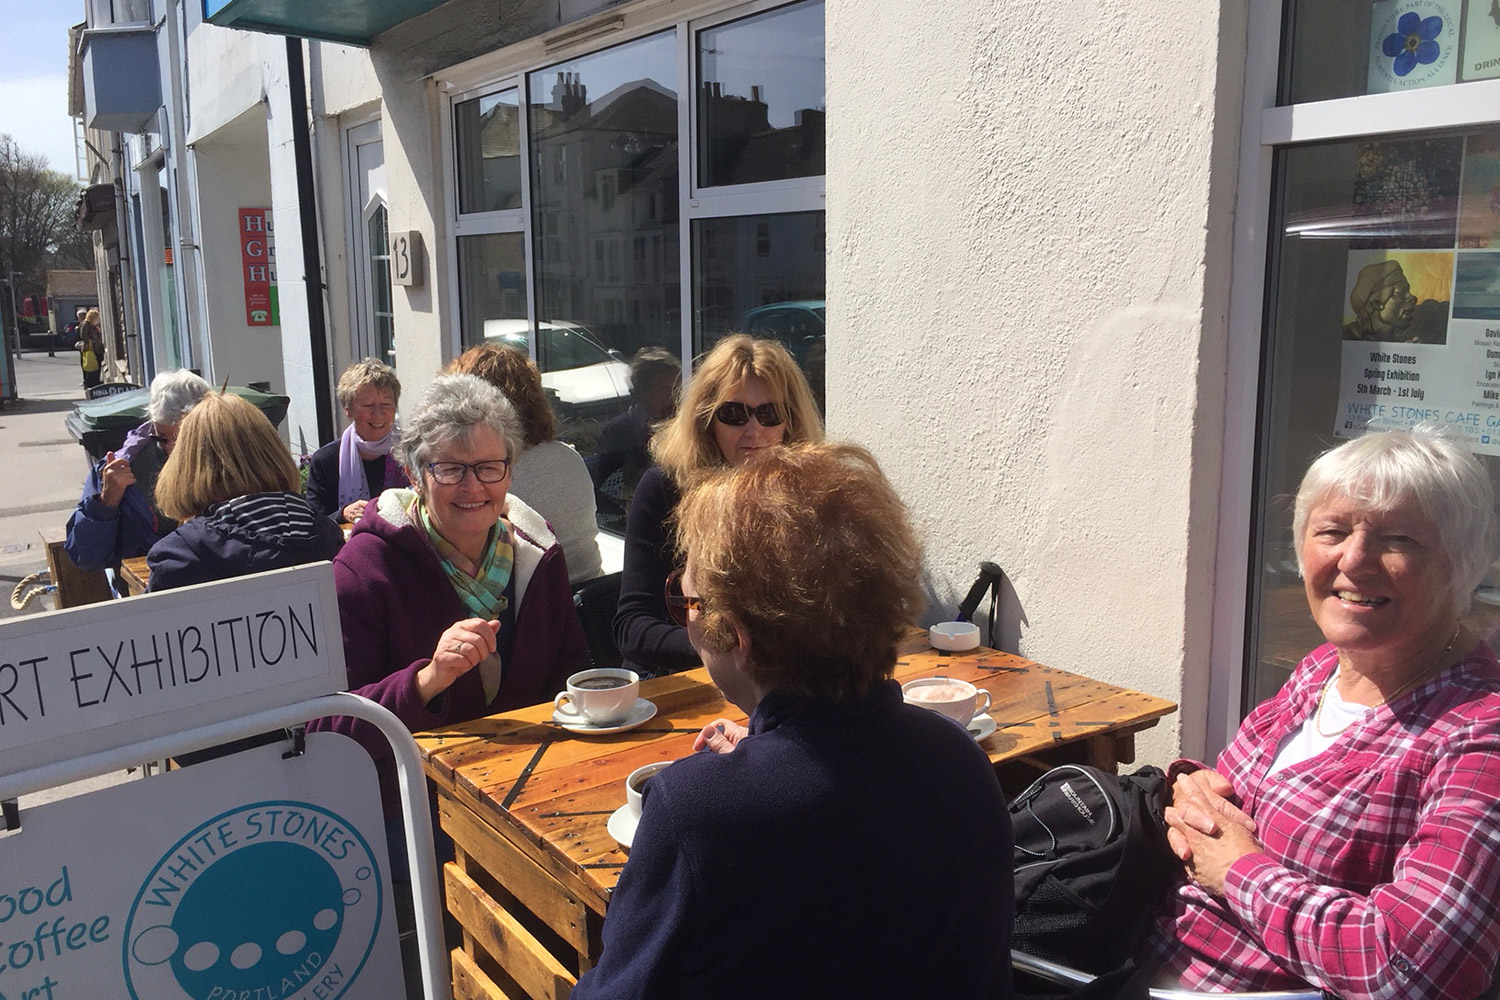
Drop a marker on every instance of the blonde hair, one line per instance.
(367, 371)
(684, 446)
(92, 316)
(225, 448)
(812, 553)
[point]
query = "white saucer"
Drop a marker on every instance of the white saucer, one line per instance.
(982, 727)
(621, 826)
(642, 712)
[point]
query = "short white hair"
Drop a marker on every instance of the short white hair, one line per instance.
(173, 394)
(1426, 465)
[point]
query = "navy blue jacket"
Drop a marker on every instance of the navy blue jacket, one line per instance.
(857, 849)
(649, 641)
(249, 534)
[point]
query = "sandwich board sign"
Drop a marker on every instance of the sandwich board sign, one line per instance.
(260, 875)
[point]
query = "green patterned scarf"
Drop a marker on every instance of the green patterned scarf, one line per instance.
(481, 587)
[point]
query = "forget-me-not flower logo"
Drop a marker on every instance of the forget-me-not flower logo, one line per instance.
(1413, 43)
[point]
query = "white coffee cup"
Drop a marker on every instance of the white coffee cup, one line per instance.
(601, 697)
(637, 781)
(958, 700)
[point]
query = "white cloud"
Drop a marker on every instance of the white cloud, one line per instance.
(34, 111)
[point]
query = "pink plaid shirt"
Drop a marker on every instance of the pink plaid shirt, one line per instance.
(1380, 869)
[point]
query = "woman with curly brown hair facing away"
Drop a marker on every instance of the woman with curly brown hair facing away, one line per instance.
(548, 474)
(746, 398)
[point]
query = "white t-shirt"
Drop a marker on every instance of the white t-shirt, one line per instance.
(1305, 742)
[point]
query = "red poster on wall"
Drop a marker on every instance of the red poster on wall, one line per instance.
(258, 266)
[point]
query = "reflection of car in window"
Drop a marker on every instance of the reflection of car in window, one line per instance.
(799, 327)
(584, 378)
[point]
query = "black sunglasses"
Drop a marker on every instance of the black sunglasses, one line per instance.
(678, 603)
(738, 414)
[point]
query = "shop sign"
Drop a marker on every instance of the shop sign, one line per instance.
(107, 675)
(251, 876)
(258, 267)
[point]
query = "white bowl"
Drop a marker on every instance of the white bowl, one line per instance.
(953, 636)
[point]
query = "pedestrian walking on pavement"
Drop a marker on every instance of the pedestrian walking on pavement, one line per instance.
(90, 348)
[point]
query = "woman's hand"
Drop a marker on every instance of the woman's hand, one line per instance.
(1206, 830)
(113, 480)
(720, 736)
(459, 650)
(353, 512)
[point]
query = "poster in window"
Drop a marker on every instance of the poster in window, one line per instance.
(1406, 193)
(1481, 51)
(1397, 296)
(1479, 202)
(1395, 371)
(1413, 43)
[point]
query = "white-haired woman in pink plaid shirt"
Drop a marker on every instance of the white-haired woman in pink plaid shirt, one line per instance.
(1349, 837)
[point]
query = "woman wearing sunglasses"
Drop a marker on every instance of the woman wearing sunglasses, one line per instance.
(746, 397)
(453, 596)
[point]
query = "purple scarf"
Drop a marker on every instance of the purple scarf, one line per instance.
(352, 447)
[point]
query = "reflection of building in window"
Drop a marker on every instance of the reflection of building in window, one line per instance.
(741, 147)
(625, 145)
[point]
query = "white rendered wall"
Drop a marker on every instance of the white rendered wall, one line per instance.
(1028, 221)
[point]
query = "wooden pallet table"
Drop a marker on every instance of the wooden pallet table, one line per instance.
(526, 802)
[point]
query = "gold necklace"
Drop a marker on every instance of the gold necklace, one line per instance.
(1322, 695)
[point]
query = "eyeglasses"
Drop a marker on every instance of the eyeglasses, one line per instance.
(678, 603)
(164, 438)
(738, 414)
(452, 473)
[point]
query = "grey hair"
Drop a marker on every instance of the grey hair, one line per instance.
(367, 371)
(1427, 465)
(173, 394)
(451, 407)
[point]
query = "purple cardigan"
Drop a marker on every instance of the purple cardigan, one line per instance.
(395, 601)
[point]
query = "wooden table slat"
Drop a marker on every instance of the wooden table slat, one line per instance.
(530, 964)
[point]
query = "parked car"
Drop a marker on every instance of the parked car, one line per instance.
(798, 325)
(587, 382)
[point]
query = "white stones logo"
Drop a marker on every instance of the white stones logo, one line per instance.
(270, 901)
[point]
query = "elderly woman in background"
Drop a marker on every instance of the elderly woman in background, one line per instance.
(848, 845)
(746, 398)
(345, 474)
(454, 596)
(1347, 836)
(548, 474)
(233, 485)
(118, 517)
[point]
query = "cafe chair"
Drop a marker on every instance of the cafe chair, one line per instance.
(1066, 979)
(596, 601)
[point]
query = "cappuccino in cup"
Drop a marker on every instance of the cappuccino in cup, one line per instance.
(958, 700)
(602, 697)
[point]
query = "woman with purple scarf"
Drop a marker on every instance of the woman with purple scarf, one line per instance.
(347, 473)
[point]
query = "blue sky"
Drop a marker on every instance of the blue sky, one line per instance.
(34, 77)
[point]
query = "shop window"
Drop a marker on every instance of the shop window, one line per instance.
(779, 297)
(492, 284)
(1343, 49)
(761, 97)
(1384, 312)
(487, 136)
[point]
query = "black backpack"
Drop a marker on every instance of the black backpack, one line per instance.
(1091, 861)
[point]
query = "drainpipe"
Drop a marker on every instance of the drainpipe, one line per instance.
(312, 261)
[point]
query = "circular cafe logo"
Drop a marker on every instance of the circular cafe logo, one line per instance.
(270, 901)
(1416, 43)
